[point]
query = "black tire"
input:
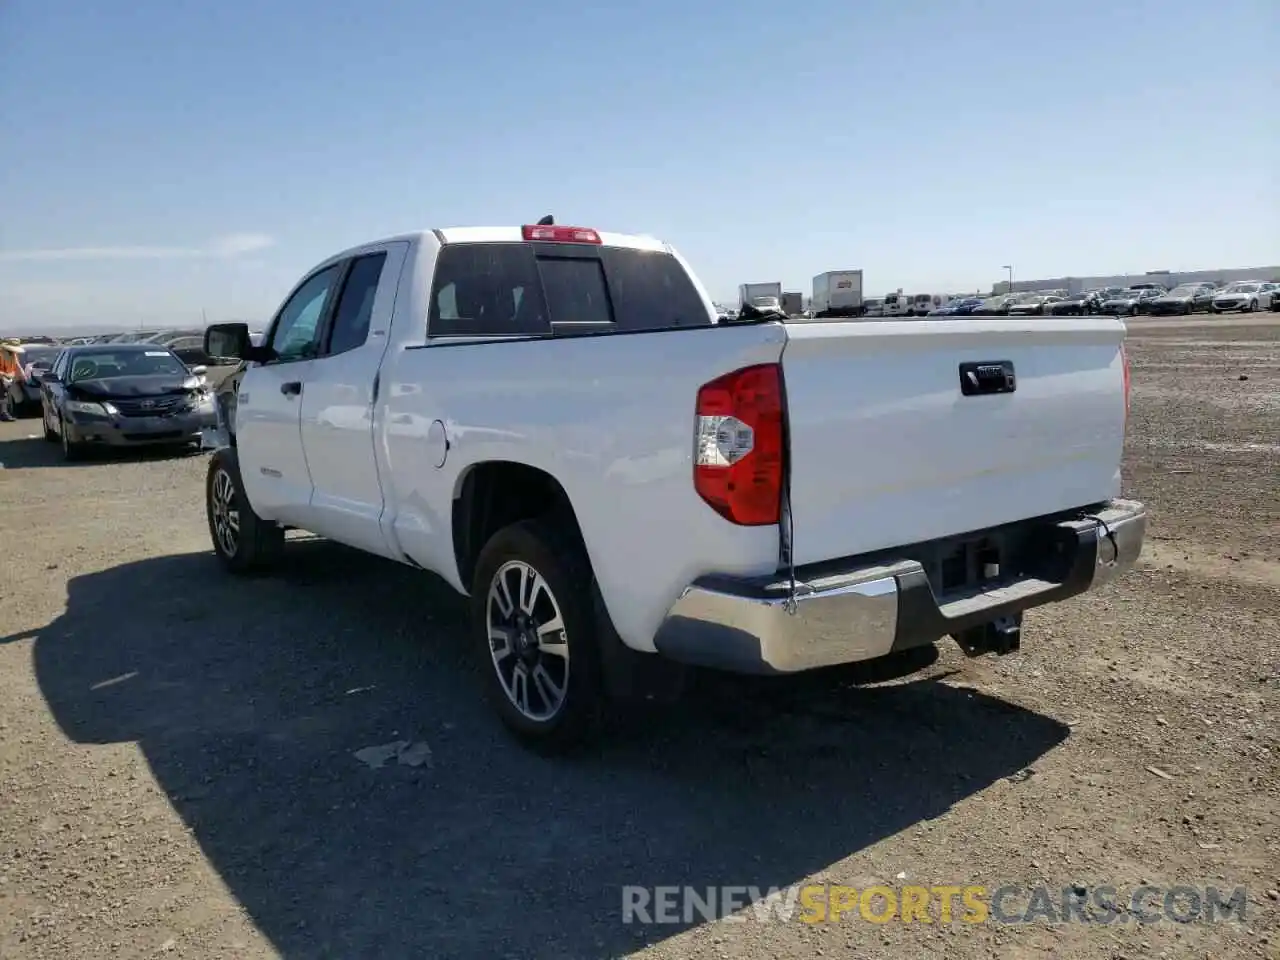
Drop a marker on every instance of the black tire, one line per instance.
(50, 435)
(72, 452)
(257, 544)
(556, 555)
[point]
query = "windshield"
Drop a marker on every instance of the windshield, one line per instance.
(106, 364)
(1242, 288)
(1186, 290)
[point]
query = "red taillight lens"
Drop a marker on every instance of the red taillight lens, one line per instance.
(559, 234)
(737, 457)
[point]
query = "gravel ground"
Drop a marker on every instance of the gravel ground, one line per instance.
(178, 769)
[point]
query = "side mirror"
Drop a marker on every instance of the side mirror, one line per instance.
(230, 341)
(199, 370)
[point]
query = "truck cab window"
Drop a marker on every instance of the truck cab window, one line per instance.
(355, 305)
(651, 291)
(487, 290)
(575, 291)
(295, 335)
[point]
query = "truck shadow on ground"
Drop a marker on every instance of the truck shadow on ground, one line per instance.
(249, 699)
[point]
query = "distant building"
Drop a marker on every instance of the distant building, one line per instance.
(1170, 278)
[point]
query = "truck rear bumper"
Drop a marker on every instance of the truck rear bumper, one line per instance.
(855, 611)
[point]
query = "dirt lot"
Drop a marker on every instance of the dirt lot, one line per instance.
(177, 750)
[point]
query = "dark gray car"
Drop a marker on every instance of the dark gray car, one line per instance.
(1131, 302)
(123, 395)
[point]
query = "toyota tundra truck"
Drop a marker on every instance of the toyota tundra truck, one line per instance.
(555, 421)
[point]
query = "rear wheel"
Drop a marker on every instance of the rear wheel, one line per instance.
(536, 634)
(243, 541)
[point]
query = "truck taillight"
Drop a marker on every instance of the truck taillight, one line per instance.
(737, 457)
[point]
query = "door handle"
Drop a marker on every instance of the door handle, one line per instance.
(292, 388)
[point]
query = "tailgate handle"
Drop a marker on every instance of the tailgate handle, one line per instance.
(987, 376)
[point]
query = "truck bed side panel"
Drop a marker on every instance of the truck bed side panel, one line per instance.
(611, 418)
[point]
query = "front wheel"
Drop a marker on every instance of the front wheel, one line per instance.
(72, 452)
(536, 634)
(243, 541)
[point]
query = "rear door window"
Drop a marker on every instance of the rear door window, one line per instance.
(350, 327)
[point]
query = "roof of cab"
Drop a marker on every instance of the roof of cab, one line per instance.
(500, 235)
(516, 235)
(451, 235)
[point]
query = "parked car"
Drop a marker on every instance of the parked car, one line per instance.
(123, 395)
(1033, 307)
(1131, 302)
(994, 306)
(958, 308)
(430, 415)
(1248, 296)
(1077, 305)
(1187, 298)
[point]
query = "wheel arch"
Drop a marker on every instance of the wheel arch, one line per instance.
(493, 494)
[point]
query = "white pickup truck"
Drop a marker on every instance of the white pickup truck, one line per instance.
(554, 420)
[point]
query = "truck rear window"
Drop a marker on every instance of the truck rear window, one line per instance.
(652, 291)
(521, 289)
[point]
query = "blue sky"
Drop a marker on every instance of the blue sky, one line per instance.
(160, 159)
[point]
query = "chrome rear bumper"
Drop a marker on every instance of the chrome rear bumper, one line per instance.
(867, 611)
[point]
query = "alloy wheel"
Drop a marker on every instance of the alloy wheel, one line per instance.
(527, 641)
(226, 517)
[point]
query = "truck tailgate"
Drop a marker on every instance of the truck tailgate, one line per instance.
(886, 449)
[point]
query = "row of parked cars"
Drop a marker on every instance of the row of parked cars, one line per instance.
(188, 344)
(1144, 298)
(117, 390)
